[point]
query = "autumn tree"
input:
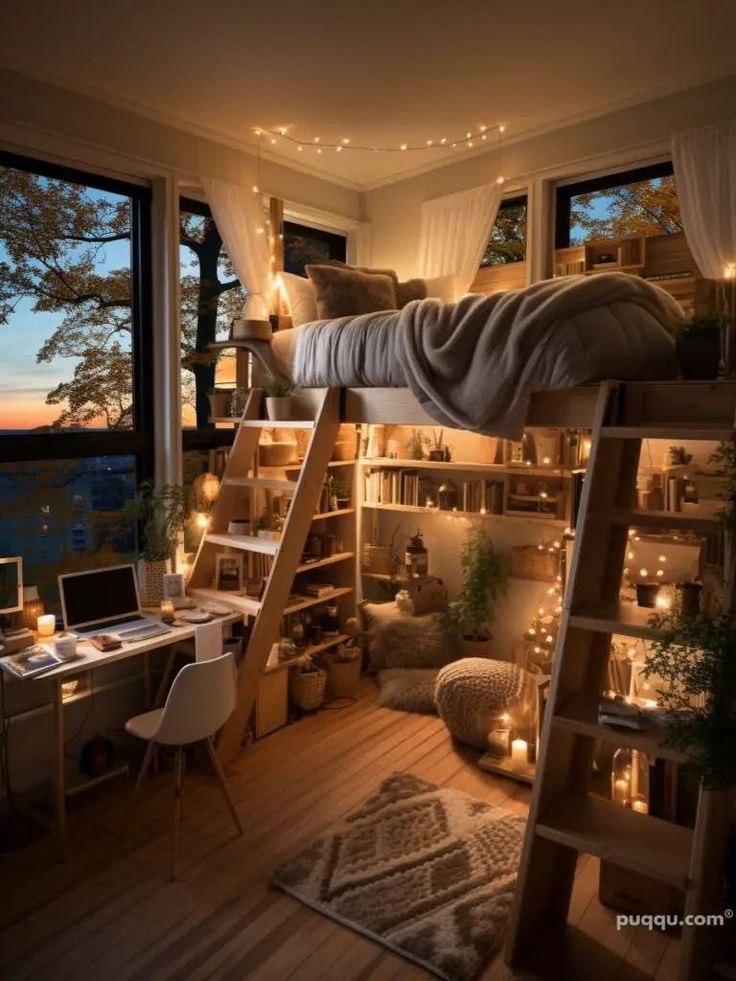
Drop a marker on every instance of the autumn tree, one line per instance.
(644, 208)
(56, 238)
(507, 242)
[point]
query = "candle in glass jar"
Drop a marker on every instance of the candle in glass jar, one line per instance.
(46, 625)
(167, 610)
(621, 789)
(640, 805)
(519, 751)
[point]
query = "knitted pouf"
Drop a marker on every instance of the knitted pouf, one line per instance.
(471, 693)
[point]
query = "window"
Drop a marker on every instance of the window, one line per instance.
(638, 202)
(507, 242)
(75, 366)
(304, 245)
(211, 297)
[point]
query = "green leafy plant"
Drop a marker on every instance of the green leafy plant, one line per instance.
(724, 458)
(693, 663)
(416, 444)
(679, 457)
(277, 388)
(701, 325)
(163, 512)
(339, 489)
(485, 578)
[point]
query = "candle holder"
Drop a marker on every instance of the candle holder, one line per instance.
(167, 611)
(630, 779)
(46, 625)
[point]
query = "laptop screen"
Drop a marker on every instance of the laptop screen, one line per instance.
(94, 597)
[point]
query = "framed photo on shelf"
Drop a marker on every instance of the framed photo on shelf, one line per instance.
(229, 573)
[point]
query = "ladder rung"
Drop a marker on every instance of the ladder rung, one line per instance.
(637, 842)
(670, 430)
(615, 618)
(243, 604)
(580, 714)
(249, 543)
(277, 424)
(263, 483)
(639, 518)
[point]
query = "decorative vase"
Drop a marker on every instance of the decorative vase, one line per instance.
(280, 409)
(151, 581)
(475, 647)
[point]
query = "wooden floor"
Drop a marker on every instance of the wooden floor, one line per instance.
(110, 913)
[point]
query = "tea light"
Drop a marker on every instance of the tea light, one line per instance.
(621, 788)
(640, 805)
(519, 752)
(167, 611)
(46, 625)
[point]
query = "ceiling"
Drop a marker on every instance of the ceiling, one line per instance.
(376, 72)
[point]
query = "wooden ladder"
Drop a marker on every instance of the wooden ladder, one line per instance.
(286, 552)
(565, 818)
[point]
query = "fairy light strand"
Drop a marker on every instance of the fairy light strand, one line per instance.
(469, 140)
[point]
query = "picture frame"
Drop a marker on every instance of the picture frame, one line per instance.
(175, 589)
(229, 573)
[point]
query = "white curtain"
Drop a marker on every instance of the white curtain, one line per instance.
(454, 234)
(705, 173)
(241, 220)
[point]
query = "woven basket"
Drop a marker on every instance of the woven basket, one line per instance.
(307, 689)
(343, 677)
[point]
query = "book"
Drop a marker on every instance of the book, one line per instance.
(32, 661)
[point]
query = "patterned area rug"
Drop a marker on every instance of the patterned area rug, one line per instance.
(428, 872)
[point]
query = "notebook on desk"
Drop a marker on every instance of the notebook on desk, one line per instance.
(106, 601)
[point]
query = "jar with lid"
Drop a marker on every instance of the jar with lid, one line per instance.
(416, 558)
(331, 622)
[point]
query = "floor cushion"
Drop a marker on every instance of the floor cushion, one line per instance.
(408, 689)
(470, 694)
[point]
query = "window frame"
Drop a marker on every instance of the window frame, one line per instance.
(138, 442)
(564, 193)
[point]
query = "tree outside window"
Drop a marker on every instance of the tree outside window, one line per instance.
(507, 241)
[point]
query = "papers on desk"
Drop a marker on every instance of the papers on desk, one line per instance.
(32, 661)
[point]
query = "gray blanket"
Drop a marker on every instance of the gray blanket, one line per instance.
(474, 364)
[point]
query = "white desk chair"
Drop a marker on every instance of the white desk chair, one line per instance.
(199, 703)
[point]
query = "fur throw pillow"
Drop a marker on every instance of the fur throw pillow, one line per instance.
(346, 292)
(411, 289)
(397, 640)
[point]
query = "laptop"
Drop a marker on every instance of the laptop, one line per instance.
(106, 601)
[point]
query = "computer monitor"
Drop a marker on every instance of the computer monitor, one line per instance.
(98, 596)
(11, 584)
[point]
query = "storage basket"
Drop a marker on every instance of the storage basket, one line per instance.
(529, 562)
(378, 559)
(343, 675)
(307, 689)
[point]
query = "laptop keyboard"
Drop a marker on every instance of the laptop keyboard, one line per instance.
(148, 630)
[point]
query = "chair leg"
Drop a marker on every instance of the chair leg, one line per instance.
(147, 758)
(223, 784)
(178, 783)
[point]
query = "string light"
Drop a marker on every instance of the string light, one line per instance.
(282, 133)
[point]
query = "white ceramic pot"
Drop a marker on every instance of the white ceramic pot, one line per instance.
(280, 409)
(151, 581)
(65, 646)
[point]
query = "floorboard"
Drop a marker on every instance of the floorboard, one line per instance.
(109, 911)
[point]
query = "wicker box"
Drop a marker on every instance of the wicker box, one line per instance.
(531, 562)
(307, 689)
(343, 672)
(378, 559)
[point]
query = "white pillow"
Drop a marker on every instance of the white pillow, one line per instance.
(301, 297)
(441, 288)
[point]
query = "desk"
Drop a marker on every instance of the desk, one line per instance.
(88, 659)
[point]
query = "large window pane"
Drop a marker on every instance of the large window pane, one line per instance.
(507, 241)
(211, 297)
(66, 515)
(66, 302)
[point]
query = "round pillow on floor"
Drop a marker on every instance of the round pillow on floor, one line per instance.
(471, 693)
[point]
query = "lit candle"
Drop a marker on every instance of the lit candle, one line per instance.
(167, 610)
(519, 752)
(640, 805)
(46, 625)
(621, 791)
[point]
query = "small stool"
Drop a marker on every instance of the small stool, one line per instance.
(471, 693)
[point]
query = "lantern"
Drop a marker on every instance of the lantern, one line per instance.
(32, 608)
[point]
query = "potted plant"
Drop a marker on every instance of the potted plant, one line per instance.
(279, 399)
(339, 494)
(416, 444)
(484, 579)
(163, 512)
(698, 343)
(692, 664)
(270, 525)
